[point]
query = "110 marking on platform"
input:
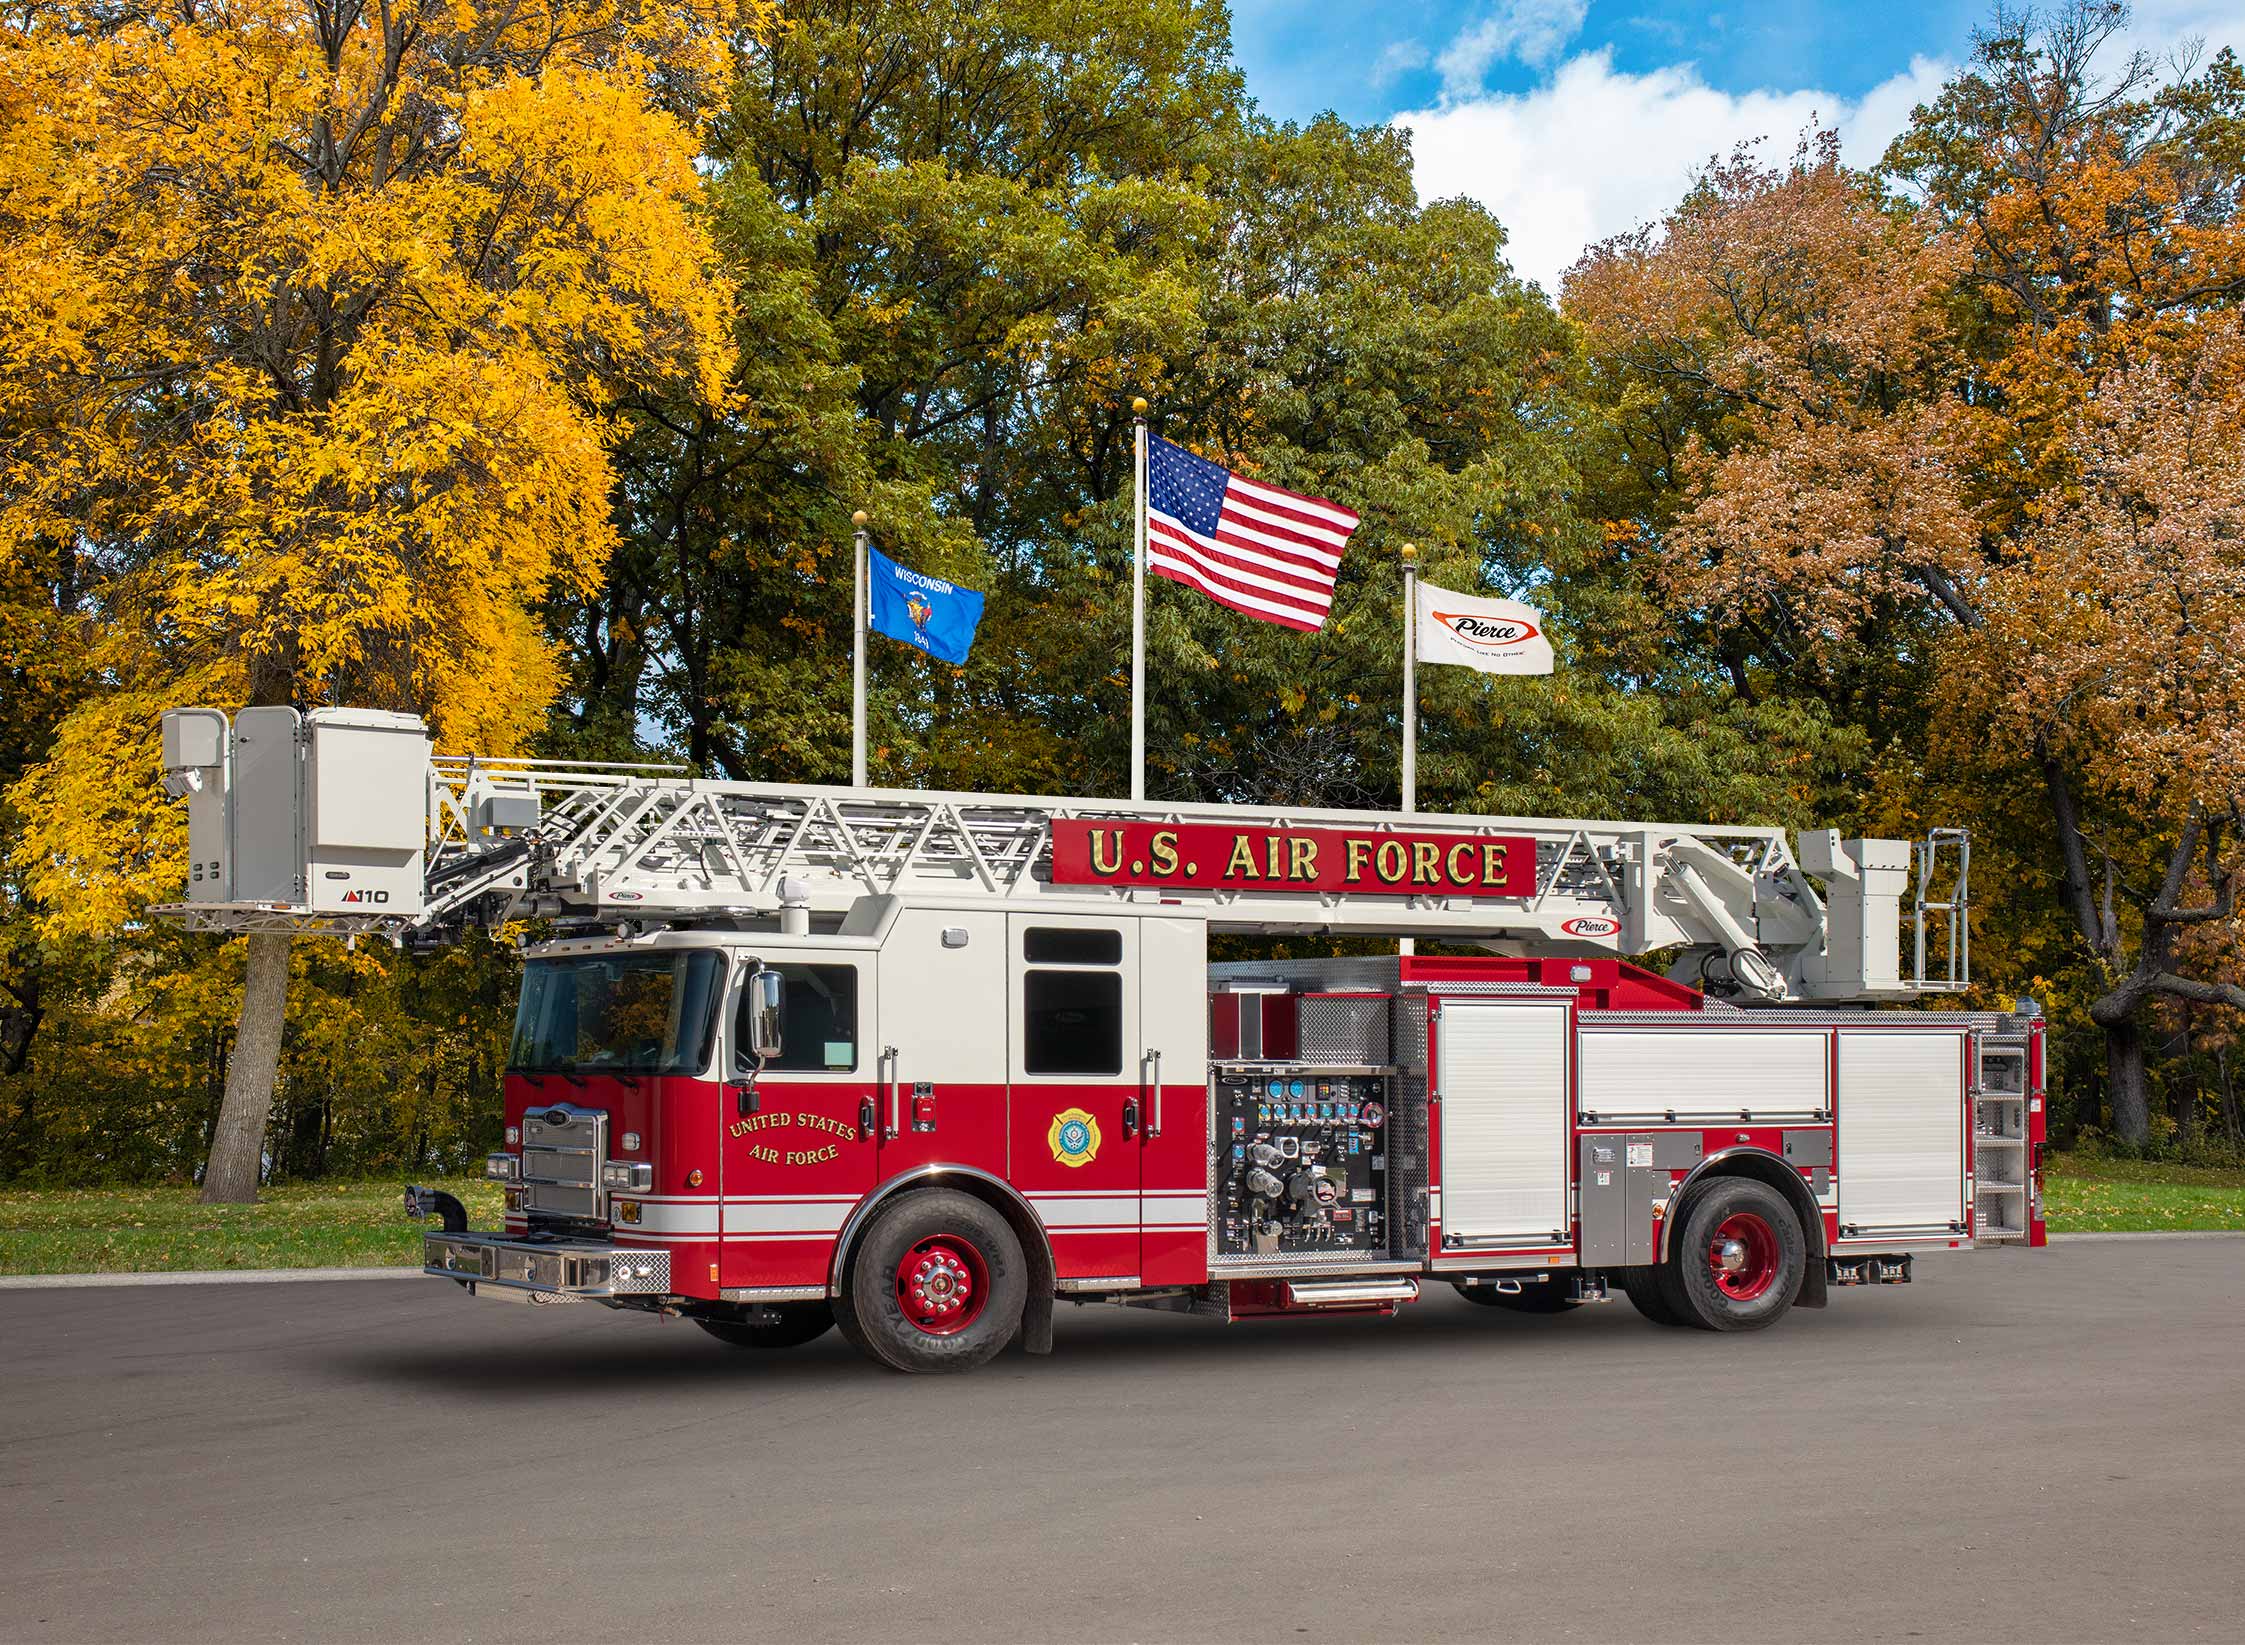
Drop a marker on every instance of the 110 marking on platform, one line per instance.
(1215, 857)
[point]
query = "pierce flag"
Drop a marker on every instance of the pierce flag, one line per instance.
(937, 617)
(1494, 636)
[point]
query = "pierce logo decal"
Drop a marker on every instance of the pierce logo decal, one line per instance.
(1074, 1137)
(1591, 925)
(1488, 633)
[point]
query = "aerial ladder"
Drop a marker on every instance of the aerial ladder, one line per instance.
(346, 822)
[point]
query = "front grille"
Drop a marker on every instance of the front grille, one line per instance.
(562, 1150)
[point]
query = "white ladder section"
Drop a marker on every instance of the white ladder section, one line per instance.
(502, 839)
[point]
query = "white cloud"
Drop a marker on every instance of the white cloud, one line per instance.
(1398, 57)
(1594, 152)
(1534, 31)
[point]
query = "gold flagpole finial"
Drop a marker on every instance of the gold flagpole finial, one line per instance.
(859, 518)
(1410, 551)
(1138, 407)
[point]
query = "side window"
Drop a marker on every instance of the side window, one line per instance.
(1071, 1020)
(819, 1025)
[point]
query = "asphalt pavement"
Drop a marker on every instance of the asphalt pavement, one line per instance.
(2041, 1446)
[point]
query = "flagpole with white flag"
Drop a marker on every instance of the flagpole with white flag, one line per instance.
(1138, 605)
(1406, 946)
(858, 605)
(1410, 679)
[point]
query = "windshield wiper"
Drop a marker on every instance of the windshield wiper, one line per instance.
(580, 1084)
(532, 1078)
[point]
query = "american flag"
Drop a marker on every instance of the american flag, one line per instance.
(1272, 554)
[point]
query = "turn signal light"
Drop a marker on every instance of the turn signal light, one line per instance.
(693, 1179)
(627, 1210)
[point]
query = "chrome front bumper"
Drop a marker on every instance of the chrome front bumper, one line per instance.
(547, 1270)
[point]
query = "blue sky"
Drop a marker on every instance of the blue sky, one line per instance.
(1576, 119)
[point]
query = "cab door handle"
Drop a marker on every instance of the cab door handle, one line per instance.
(866, 1115)
(1130, 1119)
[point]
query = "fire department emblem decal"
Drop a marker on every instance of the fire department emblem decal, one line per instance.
(1074, 1137)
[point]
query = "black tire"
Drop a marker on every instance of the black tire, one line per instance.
(1642, 1287)
(845, 1321)
(1551, 1296)
(1758, 1296)
(798, 1323)
(951, 1233)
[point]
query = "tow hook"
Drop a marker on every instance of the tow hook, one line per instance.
(420, 1202)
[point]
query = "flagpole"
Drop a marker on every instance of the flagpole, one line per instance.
(1410, 678)
(1406, 946)
(858, 593)
(1138, 607)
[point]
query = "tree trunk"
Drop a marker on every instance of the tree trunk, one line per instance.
(2124, 1082)
(2229, 1096)
(237, 1147)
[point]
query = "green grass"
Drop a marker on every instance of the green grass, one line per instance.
(147, 1230)
(2093, 1194)
(360, 1224)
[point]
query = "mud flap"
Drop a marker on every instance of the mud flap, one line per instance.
(1811, 1293)
(1036, 1323)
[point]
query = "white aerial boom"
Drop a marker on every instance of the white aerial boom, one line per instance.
(344, 821)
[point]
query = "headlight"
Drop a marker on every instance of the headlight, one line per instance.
(627, 1175)
(502, 1167)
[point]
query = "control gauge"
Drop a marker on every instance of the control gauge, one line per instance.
(1372, 1114)
(1296, 1089)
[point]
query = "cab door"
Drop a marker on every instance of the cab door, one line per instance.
(1077, 1106)
(801, 1142)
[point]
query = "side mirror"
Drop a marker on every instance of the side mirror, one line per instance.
(767, 996)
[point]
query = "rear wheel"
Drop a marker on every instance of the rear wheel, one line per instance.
(794, 1324)
(939, 1282)
(1549, 1296)
(1643, 1288)
(1737, 1261)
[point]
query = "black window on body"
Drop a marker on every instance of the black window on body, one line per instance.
(1072, 1021)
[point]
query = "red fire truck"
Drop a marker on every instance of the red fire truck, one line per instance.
(915, 1066)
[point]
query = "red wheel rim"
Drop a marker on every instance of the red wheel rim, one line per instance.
(942, 1284)
(1743, 1255)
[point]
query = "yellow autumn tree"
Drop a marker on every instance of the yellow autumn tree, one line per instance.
(312, 319)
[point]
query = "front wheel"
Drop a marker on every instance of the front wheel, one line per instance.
(792, 1325)
(939, 1282)
(1737, 1262)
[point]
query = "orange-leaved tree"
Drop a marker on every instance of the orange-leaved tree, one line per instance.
(312, 318)
(1888, 454)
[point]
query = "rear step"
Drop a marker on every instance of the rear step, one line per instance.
(1893, 1270)
(1348, 1293)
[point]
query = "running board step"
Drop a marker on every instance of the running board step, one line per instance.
(1348, 1293)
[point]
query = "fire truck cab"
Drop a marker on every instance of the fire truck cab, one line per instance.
(916, 1067)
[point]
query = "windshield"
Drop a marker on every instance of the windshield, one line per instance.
(617, 1013)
